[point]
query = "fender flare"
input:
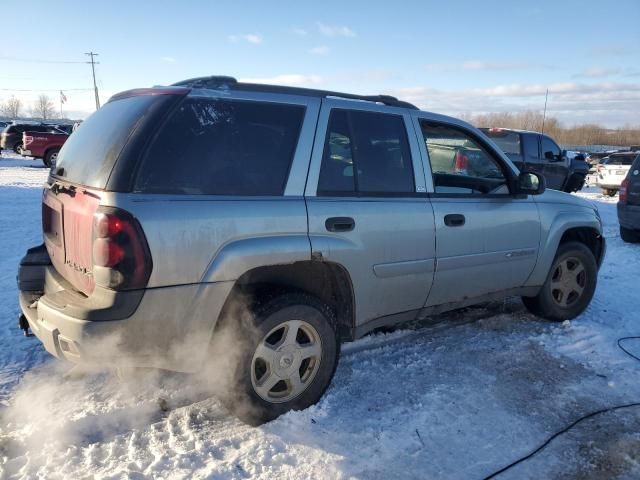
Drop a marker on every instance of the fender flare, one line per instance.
(563, 222)
(234, 259)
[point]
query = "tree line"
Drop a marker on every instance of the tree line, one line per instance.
(587, 134)
(42, 108)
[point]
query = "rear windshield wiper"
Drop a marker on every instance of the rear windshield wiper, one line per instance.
(56, 188)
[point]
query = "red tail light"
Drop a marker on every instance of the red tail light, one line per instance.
(121, 258)
(624, 186)
(461, 162)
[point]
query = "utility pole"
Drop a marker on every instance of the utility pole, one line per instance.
(93, 71)
(544, 115)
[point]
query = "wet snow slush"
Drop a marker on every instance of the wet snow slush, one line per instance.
(457, 399)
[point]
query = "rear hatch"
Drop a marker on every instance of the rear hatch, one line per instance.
(615, 169)
(79, 182)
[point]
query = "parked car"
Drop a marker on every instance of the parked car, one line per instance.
(11, 137)
(290, 219)
(612, 171)
(537, 152)
(629, 203)
(43, 145)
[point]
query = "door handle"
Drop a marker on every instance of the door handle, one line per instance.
(340, 224)
(454, 220)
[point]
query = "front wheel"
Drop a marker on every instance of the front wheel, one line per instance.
(17, 148)
(289, 359)
(570, 284)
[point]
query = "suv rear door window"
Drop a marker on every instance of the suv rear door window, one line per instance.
(223, 147)
(531, 147)
(366, 153)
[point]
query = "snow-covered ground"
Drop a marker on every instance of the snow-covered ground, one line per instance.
(458, 399)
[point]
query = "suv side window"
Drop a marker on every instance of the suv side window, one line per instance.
(550, 151)
(459, 163)
(223, 147)
(366, 153)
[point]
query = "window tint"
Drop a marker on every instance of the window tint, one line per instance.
(509, 142)
(531, 152)
(90, 153)
(366, 152)
(459, 164)
(550, 151)
(223, 147)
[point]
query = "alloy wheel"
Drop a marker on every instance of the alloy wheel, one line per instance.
(286, 361)
(568, 281)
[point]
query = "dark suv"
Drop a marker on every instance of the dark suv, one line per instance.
(629, 204)
(537, 152)
(11, 137)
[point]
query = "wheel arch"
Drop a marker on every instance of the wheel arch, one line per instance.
(570, 226)
(330, 282)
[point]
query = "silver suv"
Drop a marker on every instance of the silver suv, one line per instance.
(175, 211)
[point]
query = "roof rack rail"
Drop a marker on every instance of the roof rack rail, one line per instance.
(221, 81)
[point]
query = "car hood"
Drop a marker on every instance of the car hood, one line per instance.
(557, 197)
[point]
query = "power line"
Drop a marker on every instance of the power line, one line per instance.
(93, 70)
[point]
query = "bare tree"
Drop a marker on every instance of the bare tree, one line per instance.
(588, 134)
(11, 108)
(43, 107)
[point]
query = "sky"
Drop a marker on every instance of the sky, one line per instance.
(455, 57)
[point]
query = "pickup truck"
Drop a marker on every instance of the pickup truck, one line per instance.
(539, 153)
(44, 145)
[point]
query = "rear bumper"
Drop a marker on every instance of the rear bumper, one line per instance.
(170, 327)
(629, 216)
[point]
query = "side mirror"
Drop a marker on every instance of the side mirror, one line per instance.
(531, 183)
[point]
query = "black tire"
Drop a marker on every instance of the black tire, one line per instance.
(610, 192)
(17, 148)
(546, 303)
(575, 183)
(629, 236)
(251, 407)
(51, 157)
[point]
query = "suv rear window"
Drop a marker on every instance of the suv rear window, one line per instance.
(620, 160)
(89, 155)
(509, 142)
(223, 147)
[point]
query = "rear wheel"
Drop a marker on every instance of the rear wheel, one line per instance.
(289, 359)
(610, 192)
(570, 284)
(629, 236)
(51, 157)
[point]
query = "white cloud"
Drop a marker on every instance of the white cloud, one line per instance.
(478, 66)
(293, 79)
(335, 30)
(611, 104)
(299, 31)
(599, 72)
(320, 50)
(254, 38)
(168, 59)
